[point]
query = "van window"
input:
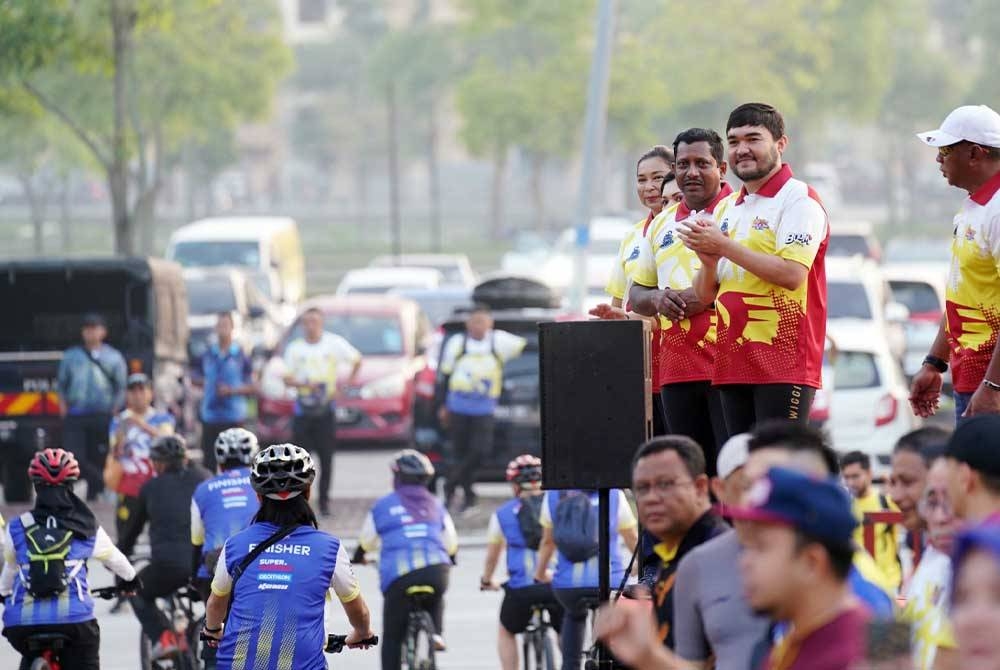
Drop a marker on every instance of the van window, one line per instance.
(916, 295)
(213, 253)
(855, 370)
(847, 300)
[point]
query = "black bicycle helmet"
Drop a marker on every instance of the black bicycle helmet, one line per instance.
(169, 448)
(412, 466)
(282, 471)
(235, 445)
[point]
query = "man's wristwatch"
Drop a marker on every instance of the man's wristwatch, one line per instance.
(938, 364)
(991, 385)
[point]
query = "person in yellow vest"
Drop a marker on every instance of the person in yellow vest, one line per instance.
(856, 469)
(469, 389)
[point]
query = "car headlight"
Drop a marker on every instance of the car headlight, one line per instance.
(384, 387)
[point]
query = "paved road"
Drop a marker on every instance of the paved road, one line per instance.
(470, 624)
(359, 478)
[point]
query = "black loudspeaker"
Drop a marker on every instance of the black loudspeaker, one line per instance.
(595, 401)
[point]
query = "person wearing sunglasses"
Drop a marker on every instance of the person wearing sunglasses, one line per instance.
(929, 591)
(968, 144)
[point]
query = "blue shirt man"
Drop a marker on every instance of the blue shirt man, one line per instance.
(226, 377)
(91, 383)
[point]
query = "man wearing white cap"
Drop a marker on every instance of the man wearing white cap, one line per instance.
(711, 616)
(968, 145)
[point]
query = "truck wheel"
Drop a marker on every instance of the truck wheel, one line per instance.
(16, 485)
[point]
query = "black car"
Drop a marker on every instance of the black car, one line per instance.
(518, 306)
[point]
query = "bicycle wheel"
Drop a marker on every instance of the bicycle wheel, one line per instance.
(418, 647)
(145, 652)
(548, 652)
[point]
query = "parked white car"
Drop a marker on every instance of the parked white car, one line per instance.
(921, 287)
(858, 295)
(606, 235)
(383, 280)
(456, 270)
(869, 409)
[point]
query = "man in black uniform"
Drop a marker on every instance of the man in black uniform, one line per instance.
(165, 502)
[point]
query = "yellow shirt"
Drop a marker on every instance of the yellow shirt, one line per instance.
(886, 540)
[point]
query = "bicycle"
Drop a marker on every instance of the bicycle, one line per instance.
(536, 642)
(49, 646)
(418, 641)
(179, 610)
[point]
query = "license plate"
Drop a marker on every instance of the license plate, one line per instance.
(346, 415)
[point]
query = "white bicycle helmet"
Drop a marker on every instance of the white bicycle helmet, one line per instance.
(282, 471)
(235, 444)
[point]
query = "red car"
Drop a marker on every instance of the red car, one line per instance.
(390, 333)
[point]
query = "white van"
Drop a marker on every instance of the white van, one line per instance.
(268, 249)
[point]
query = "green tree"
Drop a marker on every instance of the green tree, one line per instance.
(171, 71)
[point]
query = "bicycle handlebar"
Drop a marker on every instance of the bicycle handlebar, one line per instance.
(336, 643)
(108, 592)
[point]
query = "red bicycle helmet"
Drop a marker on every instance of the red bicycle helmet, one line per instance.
(54, 466)
(525, 469)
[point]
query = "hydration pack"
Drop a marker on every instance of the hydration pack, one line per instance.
(48, 547)
(575, 527)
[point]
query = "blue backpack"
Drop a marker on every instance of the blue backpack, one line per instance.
(575, 527)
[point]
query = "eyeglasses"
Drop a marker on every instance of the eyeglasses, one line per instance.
(945, 151)
(661, 487)
(934, 502)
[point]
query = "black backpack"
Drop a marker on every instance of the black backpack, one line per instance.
(575, 528)
(48, 547)
(527, 520)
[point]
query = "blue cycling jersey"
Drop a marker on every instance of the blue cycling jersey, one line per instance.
(226, 504)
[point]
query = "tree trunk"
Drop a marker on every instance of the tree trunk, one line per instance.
(144, 217)
(121, 27)
(434, 179)
(37, 212)
(497, 193)
(65, 216)
(393, 138)
(538, 190)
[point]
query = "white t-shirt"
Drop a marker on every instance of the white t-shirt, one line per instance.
(927, 598)
(318, 362)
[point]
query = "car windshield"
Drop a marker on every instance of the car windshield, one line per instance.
(214, 253)
(210, 296)
(847, 300)
(855, 370)
(848, 245)
(916, 295)
(371, 334)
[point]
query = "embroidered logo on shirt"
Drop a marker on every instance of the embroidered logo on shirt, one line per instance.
(760, 224)
(970, 233)
(803, 239)
(725, 226)
(668, 239)
(635, 254)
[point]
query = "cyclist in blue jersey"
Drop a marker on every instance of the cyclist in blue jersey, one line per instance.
(515, 525)
(53, 596)
(276, 600)
(573, 583)
(223, 505)
(417, 542)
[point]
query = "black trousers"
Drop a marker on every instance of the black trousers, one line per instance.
(317, 433)
(659, 418)
(209, 433)
(515, 610)
(695, 409)
(395, 609)
(125, 515)
(82, 651)
(746, 405)
(471, 444)
(86, 435)
(574, 620)
(158, 580)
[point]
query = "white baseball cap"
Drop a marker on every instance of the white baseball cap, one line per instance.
(973, 123)
(733, 455)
